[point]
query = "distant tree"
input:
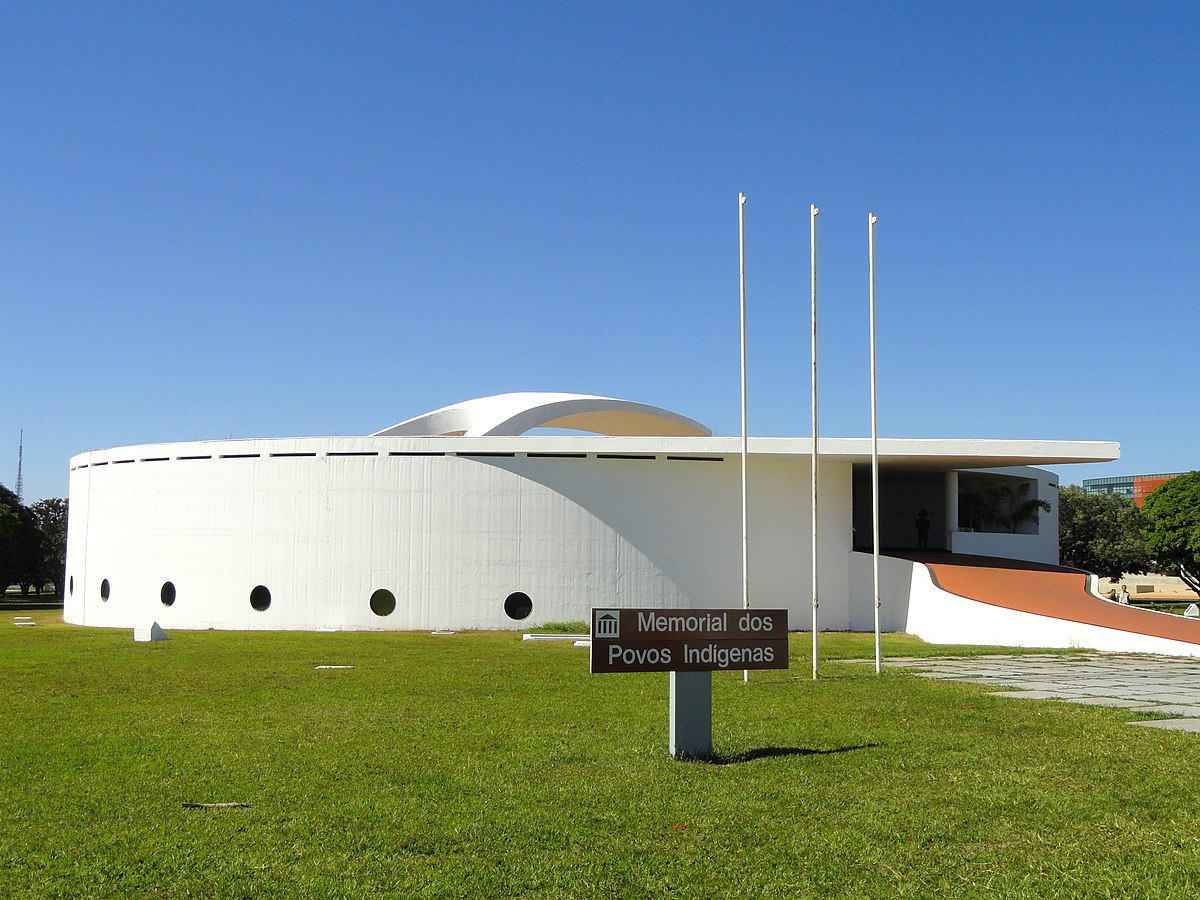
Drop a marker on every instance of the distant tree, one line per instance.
(1171, 525)
(1100, 533)
(10, 525)
(19, 544)
(51, 518)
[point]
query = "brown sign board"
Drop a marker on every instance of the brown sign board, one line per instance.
(688, 640)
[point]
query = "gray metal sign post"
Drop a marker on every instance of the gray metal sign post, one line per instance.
(691, 715)
(690, 644)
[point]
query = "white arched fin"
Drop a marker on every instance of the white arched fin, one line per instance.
(515, 414)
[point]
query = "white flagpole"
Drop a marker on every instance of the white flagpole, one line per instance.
(812, 226)
(745, 443)
(871, 220)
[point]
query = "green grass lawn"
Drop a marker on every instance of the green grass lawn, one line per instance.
(475, 765)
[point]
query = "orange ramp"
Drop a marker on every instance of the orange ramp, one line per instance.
(1045, 590)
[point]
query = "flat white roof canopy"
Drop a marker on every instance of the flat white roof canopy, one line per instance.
(499, 424)
(643, 428)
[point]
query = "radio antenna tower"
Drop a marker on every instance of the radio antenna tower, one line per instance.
(20, 455)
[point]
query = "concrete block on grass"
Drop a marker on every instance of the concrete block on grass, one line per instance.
(151, 632)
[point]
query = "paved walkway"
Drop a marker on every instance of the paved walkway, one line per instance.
(1158, 684)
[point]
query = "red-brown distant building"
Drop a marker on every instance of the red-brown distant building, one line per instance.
(1133, 487)
(1143, 485)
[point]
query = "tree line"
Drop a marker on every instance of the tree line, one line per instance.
(33, 544)
(1110, 536)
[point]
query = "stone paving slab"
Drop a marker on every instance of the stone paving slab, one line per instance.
(1173, 710)
(1117, 703)
(1172, 724)
(1164, 697)
(1114, 691)
(1037, 684)
(1141, 683)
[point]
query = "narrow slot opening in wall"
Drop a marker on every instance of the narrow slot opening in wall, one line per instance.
(291, 455)
(240, 455)
(556, 455)
(352, 453)
(624, 456)
(696, 458)
(415, 453)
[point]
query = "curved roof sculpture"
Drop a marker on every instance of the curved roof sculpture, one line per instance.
(515, 414)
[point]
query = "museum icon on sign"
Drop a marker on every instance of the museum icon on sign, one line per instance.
(608, 624)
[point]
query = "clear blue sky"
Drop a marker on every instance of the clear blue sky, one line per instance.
(276, 219)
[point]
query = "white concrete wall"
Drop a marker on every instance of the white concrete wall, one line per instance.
(895, 586)
(450, 536)
(1041, 546)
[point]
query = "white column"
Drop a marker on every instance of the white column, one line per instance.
(951, 508)
(816, 456)
(871, 220)
(745, 433)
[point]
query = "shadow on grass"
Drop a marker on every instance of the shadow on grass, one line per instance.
(726, 759)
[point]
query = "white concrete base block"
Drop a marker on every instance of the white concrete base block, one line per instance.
(554, 637)
(151, 632)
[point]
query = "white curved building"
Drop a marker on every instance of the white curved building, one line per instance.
(461, 519)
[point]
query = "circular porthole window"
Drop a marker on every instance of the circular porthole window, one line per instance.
(517, 605)
(383, 602)
(167, 594)
(260, 598)
(105, 589)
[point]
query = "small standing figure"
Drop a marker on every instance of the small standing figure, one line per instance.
(922, 529)
(1123, 596)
